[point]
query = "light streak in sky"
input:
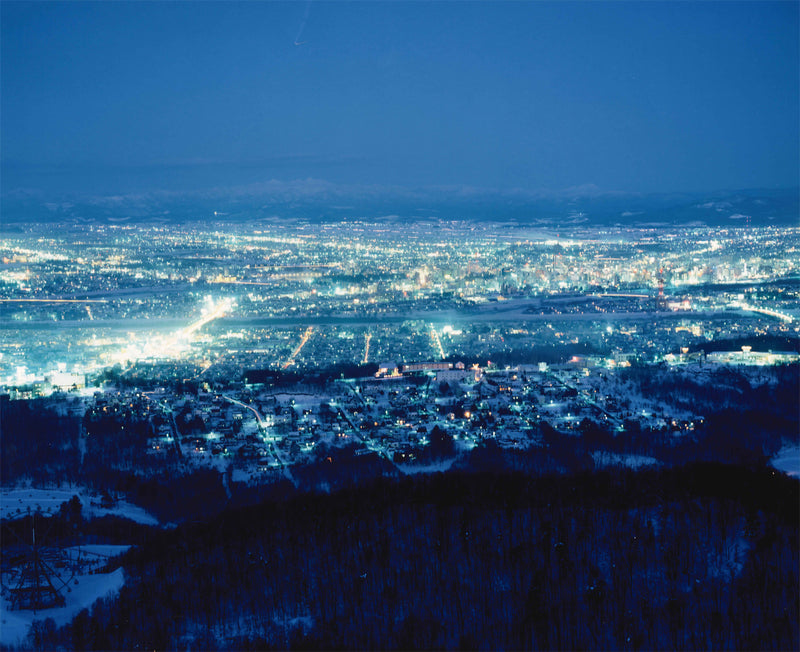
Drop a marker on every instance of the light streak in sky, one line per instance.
(297, 40)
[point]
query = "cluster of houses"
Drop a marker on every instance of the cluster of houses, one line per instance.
(392, 413)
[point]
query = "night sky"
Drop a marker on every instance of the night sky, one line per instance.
(644, 97)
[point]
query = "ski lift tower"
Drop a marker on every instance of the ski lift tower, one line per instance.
(29, 576)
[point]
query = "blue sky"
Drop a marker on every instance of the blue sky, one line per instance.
(641, 97)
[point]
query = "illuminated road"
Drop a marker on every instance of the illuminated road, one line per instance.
(367, 338)
(766, 311)
(260, 421)
(167, 412)
(53, 301)
(206, 366)
(262, 428)
(585, 396)
(177, 343)
(299, 348)
(366, 441)
(620, 295)
(437, 342)
(219, 311)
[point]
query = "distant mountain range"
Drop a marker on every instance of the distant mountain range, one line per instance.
(321, 201)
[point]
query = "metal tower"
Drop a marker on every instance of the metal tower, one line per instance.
(29, 576)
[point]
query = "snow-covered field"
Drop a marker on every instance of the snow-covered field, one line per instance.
(14, 625)
(16, 502)
(788, 460)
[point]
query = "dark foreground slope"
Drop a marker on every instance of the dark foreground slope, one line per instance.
(703, 557)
